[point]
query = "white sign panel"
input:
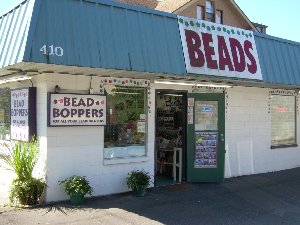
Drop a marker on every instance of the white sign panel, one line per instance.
(19, 114)
(141, 126)
(77, 110)
(219, 50)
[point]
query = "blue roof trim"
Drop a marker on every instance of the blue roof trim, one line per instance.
(14, 30)
(279, 59)
(105, 34)
(33, 24)
(276, 38)
(108, 34)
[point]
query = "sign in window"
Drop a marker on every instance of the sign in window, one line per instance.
(283, 120)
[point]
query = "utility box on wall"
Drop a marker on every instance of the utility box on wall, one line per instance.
(23, 113)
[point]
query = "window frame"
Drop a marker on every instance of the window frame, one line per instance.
(7, 136)
(295, 122)
(221, 11)
(214, 11)
(202, 12)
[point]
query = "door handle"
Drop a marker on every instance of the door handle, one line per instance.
(222, 138)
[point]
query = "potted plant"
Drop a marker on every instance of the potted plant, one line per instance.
(77, 187)
(138, 181)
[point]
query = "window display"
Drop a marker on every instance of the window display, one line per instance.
(283, 120)
(169, 137)
(125, 132)
(4, 114)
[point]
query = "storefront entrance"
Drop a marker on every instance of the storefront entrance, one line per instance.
(170, 151)
(190, 137)
(206, 137)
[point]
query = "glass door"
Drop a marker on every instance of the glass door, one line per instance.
(206, 137)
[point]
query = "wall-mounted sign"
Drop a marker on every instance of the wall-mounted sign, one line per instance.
(215, 49)
(23, 113)
(76, 110)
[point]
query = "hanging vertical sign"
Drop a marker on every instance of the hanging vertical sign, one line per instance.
(23, 113)
(219, 50)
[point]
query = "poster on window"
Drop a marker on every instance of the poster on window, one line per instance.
(206, 149)
(190, 115)
(76, 110)
(23, 113)
(141, 126)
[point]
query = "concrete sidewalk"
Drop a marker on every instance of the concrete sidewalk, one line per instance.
(272, 198)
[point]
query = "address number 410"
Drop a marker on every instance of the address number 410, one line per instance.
(52, 50)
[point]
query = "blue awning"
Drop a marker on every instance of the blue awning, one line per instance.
(106, 34)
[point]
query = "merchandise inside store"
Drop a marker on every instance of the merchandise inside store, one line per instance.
(170, 138)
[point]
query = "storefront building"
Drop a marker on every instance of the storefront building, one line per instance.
(120, 87)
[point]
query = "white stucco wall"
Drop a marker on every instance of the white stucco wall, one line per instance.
(79, 150)
(6, 178)
(248, 135)
(68, 151)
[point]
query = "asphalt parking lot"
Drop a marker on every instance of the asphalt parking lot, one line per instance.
(267, 199)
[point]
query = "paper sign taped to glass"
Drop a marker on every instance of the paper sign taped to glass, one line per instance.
(206, 149)
(141, 126)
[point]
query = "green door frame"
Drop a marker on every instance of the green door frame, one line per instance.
(202, 173)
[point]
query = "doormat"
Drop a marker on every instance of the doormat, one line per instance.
(179, 187)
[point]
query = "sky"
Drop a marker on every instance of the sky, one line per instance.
(281, 17)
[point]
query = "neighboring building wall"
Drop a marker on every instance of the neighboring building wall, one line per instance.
(248, 135)
(231, 16)
(143, 3)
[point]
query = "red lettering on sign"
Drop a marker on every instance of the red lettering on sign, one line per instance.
(224, 57)
(282, 110)
(236, 61)
(238, 55)
(209, 51)
(252, 68)
(193, 44)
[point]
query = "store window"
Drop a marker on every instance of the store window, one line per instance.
(210, 11)
(126, 129)
(283, 120)
(4, 114)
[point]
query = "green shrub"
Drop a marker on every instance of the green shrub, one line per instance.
(26, 192)
(21, 158)
(138, 179)
(77, 184)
